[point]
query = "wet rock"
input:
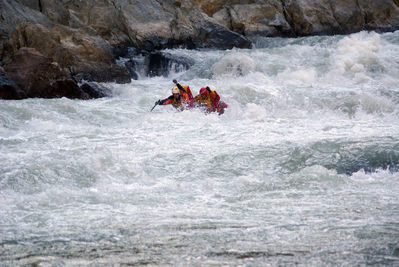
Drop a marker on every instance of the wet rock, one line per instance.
(396, 252)
(101, 72)
(124, 50)
(130, 65)
(95, 90)
(9, 90)
(38, 76)
(160, 64)
(217, 37)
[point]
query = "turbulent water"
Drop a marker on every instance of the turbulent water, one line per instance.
(302, 169)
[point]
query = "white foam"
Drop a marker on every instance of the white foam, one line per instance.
(255, 112)
(293, 77)
(235, 64)
(355, 53)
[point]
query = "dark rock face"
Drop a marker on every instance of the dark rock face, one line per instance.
(160, 64)
(37, 76)
(130, 65)
(95, 90)
(101, 72)
(9, 90)
(218, 37)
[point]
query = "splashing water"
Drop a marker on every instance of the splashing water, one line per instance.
(302, 169)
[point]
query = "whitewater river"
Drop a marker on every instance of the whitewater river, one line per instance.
(302, 169)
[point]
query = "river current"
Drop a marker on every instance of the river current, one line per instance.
(301, 170)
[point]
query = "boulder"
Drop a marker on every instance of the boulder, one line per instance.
(130, 65)
(349, 16)
(100, 72)
(380, 15)
(311, 17)
(210, 7)
(95, 90)
(160, 64)
(147, 25)
(9, 90)
(249, 17)
(38, 76)
(265, 19)
(154, 25)
(85, 57)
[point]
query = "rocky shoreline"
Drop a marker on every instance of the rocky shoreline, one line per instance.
(58, 48)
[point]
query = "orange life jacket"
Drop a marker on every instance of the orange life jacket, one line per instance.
(209, 98)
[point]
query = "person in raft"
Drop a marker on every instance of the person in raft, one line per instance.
(181, 97)
(210, 101)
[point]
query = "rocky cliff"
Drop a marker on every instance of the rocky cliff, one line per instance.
(303, 17)
(84, 38)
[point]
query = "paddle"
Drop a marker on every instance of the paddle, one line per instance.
(156, 103)
(154, 106)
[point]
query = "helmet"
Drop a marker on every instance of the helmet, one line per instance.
(203, 91)
(175, 90)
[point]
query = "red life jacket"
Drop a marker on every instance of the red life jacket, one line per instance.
(188, 91)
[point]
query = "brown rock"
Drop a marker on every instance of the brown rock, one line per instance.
(250, 17)
(382, 14)
(303, 17)
(311, 17)
(210, 7)
(38, 76)
(73, 49)
(259, 19)
(348, 15)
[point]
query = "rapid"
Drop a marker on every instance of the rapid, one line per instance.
(301, 170)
